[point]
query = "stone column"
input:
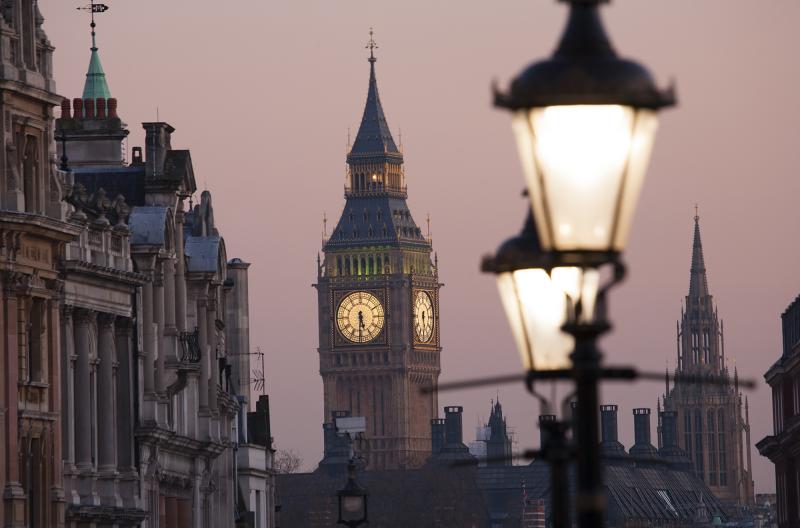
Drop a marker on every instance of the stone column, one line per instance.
(54, 373)
(106, 414)
(68, 387)
(211, 328)
(13, 494)
(205, 361)
(158, 320)
(180, 272)
(170, 331)
(149, 338)
(83, 404)
(126, 392)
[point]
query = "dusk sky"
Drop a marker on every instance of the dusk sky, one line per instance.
(263, 94)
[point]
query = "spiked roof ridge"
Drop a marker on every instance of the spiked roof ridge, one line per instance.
(698, 281)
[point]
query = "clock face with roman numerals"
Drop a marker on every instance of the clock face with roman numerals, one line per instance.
(423, 316)
(360, 317)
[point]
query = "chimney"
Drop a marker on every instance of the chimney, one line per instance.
(543, 434)
(608, 423)
(258, 424)
(453, 428)
(77, 106)
(157, 144)
(437, 435)
(608, 428)
(112, 108)
(136, 156)
(101, 108)
(66, 113)
(88, 105)
(641, 431)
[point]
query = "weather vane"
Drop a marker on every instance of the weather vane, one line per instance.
(371, 46)
(93, 8)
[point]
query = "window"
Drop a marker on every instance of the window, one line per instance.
(366, 216)
(371, 265)
(712, 455)
(338, 265)
(723, 462)
(379, 268)
(687, 432)
(698, 447)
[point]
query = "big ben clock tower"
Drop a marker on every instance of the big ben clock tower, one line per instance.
(379, 303)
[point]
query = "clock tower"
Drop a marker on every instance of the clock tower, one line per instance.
(378, 294)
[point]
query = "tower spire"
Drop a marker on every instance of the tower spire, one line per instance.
(374, 137)
(698, 281)
(96, 86)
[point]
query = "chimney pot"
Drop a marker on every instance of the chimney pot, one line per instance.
(608, 421)
(77, 106)
(453, 427)
(437, 435)
(88, 105)
(641, 426)
(112, 108)
(101, 108)
(66, 113)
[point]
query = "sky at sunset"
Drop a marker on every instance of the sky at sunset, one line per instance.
(263, 94)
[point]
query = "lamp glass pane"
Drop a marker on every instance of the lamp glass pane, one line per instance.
(352, 504)
(536, 308)
(525, 142)
(579, 284)
(579, 155)
(644, 135)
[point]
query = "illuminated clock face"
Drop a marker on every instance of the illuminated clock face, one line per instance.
(360, 317)
(423, 316)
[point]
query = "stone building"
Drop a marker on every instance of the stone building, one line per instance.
(33, 237)
(151, 411)
(712, 419)
(783, 446)
(378, 295)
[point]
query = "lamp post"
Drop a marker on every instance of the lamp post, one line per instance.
(585, 121)
(352, 500)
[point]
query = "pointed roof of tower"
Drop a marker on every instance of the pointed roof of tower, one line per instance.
(374, 136)
(96, 86)
(698, 281)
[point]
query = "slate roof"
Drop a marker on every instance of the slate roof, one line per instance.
(374, 136)
(658, 494)
(127, 181)
(147, 225)
(202, 253)
(388, 222)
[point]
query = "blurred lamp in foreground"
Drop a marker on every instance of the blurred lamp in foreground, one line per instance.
(539, 296)
(352, 501)
(585, 122)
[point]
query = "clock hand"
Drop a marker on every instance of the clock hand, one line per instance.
(360, 322)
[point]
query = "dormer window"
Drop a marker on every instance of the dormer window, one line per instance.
(384, 231)
(370, 232)
(366, 217)
(355, 233)
(379, 215)
(351, 218)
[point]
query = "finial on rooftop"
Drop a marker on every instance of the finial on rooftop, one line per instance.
(371, 46)
(93, 8)
(696, 213)
(96, 86)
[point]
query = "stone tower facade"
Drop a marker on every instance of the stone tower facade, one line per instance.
(711, 420)
(378, 293)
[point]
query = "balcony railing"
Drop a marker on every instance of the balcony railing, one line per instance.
(190, 346)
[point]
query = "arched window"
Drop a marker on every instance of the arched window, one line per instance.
(371, 265)
(723, 461)
(347, 265)
(379, 268)
(338, 265)
(363, 270)
(699, 467)
(712, 450)
(687, 432)
(387, 263)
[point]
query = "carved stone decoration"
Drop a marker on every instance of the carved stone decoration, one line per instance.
(101, 204)
(78, 198)
(13, 180)
(122, 211)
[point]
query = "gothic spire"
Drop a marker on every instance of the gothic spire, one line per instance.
(698, 282)
(374, 136)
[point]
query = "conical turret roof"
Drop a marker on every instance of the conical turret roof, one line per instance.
(96, 86)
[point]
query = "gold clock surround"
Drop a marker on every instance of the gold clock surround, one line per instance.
(360, 317)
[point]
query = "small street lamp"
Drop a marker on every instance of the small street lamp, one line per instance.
(585, 122)
(352, 500)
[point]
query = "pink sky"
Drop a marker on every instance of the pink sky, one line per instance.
(263, 94)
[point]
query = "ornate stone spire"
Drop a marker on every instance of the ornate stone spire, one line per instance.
(374, 136)
(698, 282)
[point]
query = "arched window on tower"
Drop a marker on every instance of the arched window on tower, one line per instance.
(723, 460)
(363, 270)
(379, 265)
(338, 266)
(347, 265)
(387, 265)
(712, 450)
(687, 432)
(371, 265)
(699, 467)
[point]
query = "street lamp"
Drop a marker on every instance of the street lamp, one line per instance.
(352, 500)
(585, 122)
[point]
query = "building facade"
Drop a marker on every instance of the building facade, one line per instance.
(378, 295)
(33, 237)
(783, 446)
(712, 419)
